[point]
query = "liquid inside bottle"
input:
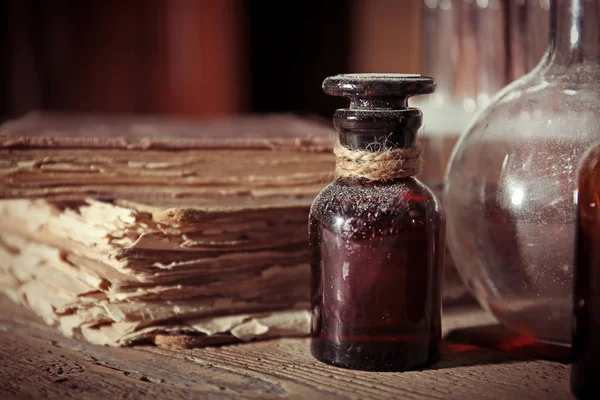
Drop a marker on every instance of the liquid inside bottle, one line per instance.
(585, 371)
(377, 248)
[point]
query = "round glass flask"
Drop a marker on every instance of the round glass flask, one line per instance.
(511, 183)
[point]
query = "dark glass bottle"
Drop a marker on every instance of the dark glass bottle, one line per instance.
(377, 246)
(585, 372)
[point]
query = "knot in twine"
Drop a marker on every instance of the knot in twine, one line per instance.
(377, 165)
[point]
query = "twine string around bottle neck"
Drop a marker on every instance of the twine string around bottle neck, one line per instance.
(385, 164)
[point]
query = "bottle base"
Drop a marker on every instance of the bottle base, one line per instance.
(377, 356)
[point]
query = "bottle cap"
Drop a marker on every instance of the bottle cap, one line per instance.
(378, 109)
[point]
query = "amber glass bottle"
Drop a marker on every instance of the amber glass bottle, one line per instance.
(585, 372)
(377, 245)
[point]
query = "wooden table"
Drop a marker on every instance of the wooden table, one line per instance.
(37, 362)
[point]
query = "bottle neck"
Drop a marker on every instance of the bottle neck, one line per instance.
(574, 32)
(373, 130)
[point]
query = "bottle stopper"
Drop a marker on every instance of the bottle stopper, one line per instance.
(378, 109)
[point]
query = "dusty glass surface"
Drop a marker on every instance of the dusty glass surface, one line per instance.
(376, 256)
(511, 185)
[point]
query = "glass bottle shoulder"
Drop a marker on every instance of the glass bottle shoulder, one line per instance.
(356, 205)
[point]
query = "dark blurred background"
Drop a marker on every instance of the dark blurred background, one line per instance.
(196, 57)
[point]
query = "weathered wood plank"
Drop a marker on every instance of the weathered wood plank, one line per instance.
(38, 362)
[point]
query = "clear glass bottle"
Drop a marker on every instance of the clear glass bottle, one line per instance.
(511, 183)
(585, 371)
(377, 246)
(456, 37)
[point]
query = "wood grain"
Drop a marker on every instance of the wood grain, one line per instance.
(37, 362)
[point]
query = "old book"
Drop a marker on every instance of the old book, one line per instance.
(179, 232)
